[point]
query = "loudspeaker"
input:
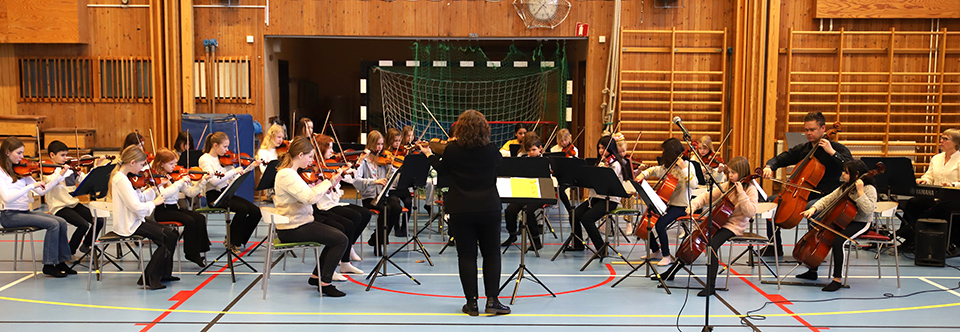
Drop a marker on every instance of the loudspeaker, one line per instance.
(931, 242)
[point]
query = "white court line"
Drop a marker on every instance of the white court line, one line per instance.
(940, 287)
(16, 282)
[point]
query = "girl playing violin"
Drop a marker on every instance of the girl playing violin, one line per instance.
(195, 239)
(519, 130)
(865, 196)
(678, 202)
(15, 201)
(408, 138)
(294, 199)
(272, 139)
(565, 144)
(705, 150)
(246, 215)
(189, 155)
(304, 127)
(393, 141)
(369, 180)
(348, 218)
(130, 207)
(132, 139)
(744, 198)
(66, 206)
(587, 214)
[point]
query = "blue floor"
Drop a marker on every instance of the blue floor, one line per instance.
(585, 300)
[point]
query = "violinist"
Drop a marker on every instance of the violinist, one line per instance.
(246, 215)
(705, 150)
(519, 130)
(408, 139)
(189, 155)
(66, 206)
(133, 138)
(195, 239)
(272, 139)
(369, 181)
(304, 127)
(393, 141)
(294, 199)
(865, 197)
(744, 198)
(130, 207)
(15, 201)
(944, 170)
(533, 148)
(831, 154)
(348, 218)
(597, 206)
(565, 144)
(679, 199)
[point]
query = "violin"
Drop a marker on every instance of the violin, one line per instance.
(569, 151)
(438, 145)
(697, 241)
(389, 158)
(807, 175)
(309, 174)
(86, 162)
(142, 179)
(26, 168)
(813, 247)
(713, 159)
(231, 158)
(194, 173)
(283, 147)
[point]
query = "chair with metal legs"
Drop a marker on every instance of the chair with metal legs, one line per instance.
(103, 210)
(273, 244)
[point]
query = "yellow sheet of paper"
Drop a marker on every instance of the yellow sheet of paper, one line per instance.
(527, 188)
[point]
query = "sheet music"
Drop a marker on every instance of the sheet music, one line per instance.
(652, 194)
(518, 187)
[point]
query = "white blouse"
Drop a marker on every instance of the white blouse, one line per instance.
(13, 194)
(941, 172)
(266, 156)
(171, 193)
(130, 206)
(211, 164)
(687, 181)
(59, 196)
(294, 199)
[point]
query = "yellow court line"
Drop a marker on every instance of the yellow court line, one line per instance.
(94, 306)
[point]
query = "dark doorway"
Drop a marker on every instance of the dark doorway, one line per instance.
(283, 72)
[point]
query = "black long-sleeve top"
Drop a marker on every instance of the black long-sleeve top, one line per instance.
(473, 172)
(833, 164)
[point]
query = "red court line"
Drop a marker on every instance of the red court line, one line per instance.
(604, 282)
(182, 296)
(779, 300)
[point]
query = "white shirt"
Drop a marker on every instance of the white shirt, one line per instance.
(211, 164)
(940, 172)
(130, 206)
(171, 193)
(294, 199)
(266, 156)
(331, 198)
(13, 194)
(687, 181)
(59, 196)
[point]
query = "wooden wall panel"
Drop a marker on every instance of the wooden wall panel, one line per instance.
(9, 80)
(48, 21)
(888, 9)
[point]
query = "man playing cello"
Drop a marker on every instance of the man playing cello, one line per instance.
(831, 154)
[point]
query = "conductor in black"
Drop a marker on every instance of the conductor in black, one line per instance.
(470, 161)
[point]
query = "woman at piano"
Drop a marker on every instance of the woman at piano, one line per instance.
(944, 170)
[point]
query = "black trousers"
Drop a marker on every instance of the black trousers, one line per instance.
(407, 199)
(392, 217)
(80, 217)
(470, 231)
(349, 219)
(246, 216)
(716, 242)
(586, 216)
(333, 240)
(161, 262)
(195, 239)
(510, 216)
(837, 249)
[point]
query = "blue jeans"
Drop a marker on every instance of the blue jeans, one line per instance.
(56, 248)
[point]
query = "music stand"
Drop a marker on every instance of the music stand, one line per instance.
(414, 175)
(384, 259)
(525, 168)
(269, 176)
(525, 191)
(567, 171)
(892, 181)
(515, 149)
(96, 184)
(655, 206)
(605, 182)
(222, 203)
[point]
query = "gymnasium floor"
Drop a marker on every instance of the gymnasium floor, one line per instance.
(927, 301)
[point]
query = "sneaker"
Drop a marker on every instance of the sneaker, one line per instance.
(354, 257)
(833, 286)
(653, 256)
(665, 261)
(331, 291)
(346, 267)
(809, 275)
(338, 277)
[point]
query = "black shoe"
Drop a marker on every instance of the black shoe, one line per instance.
(84, 248)
(170, 278)
(313, 281)
(66, 269)
(197, 260)
(471, 308)
(669, 274)
(705, 293)
(535, 244)
(53, 271)
(495, 307)
(331, 291)
(809, 275)
(573, 248)
(510, 240)
(156, 287)
(833, 286)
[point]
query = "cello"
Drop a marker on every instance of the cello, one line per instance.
(806, 176)
(813, 247)
(697, 241)
(664, 188)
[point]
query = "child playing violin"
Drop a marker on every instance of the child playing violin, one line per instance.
(66, 206)
(393, 140)
(294, 199)
(587, 213)
(565, 144)
(865, 197)
(272, 139)
(705, 150)
(370, 178)
(246, 215)
(533, 148)
(15, 202)
(519, 130)
(195, 239)
(348, 218)
(130, 207)
(744, 198)
(678, 202)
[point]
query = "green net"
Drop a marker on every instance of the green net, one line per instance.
(447, 80)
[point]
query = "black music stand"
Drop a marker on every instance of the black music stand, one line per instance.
(655, 207)
(522, 167)
(443, 181)
(221, 203)
(515, 149)
(567, 171)
(543, 195)
(605, 182)
(382, 236)
(96, 184)
(414, 175)
(892, 182)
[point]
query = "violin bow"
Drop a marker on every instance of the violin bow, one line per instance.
(550, 138)
(724, 140)
(76, 137)
(635, 142)
(834, 231)
(325, 121)
(435, 119)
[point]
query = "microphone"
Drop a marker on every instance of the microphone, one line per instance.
(679, 123)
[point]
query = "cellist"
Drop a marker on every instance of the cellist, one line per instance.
(832, 155)
(679, 200)
(865, 197)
